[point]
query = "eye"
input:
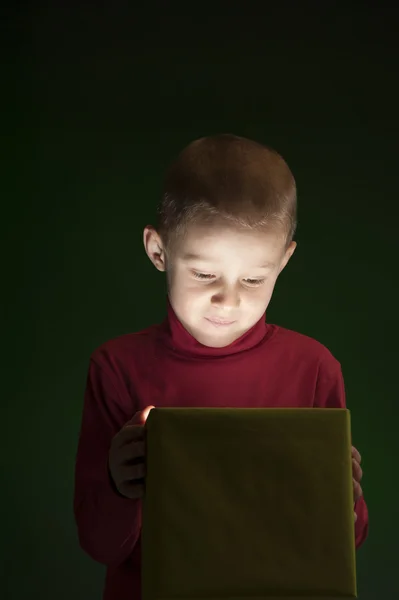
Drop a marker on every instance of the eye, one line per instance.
(209, 276)
(203, 276)
(254, 282)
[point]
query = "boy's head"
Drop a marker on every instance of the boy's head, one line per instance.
(225, 231)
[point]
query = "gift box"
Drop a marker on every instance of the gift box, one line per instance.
(248, 504)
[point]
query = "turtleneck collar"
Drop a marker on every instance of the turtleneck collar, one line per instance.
(176, 337)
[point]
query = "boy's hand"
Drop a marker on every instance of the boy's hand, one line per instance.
(357, 475)
(126, 459)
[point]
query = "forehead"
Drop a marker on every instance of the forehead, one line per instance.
(219, 243)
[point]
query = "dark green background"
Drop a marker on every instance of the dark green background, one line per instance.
(100, 100)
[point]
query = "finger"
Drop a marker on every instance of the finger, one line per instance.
(355, 516)
(140, 417)
(131, 473)
(147, 411)
(132, 490)
(132, 451)
(357, 470)
(357, 491)
(130, 433)
(356, 455)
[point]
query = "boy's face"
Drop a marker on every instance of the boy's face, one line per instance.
(219, 274)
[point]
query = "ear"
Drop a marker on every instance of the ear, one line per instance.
(154, 247)
(289, 252)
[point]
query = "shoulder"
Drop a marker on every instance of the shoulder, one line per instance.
(298, 346)
(118, 351)
(316, 366)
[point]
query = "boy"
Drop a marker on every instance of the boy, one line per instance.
(226, 225)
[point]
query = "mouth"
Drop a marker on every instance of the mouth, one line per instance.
(219, 322)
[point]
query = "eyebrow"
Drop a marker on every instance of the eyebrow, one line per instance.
(189, 256)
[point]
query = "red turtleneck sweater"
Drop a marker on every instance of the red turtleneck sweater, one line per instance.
(268, 366)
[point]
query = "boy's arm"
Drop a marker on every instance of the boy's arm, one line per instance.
(330, 393)
(108, 524)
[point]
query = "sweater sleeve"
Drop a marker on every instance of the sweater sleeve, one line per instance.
(108, 524)
(330, 393)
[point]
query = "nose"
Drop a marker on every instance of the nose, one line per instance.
(227, 298)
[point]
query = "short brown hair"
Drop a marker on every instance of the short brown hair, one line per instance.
(230, 179)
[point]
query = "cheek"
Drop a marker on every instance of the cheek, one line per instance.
(269, 290)
(187, 294)
(260, 298)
